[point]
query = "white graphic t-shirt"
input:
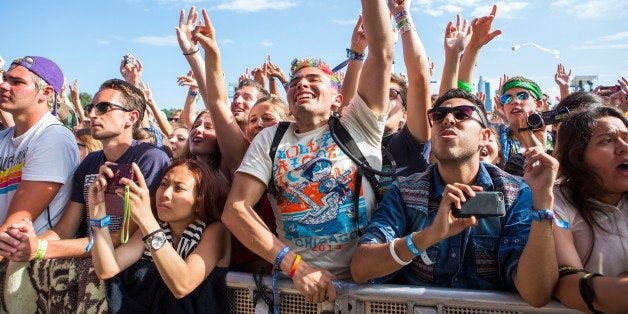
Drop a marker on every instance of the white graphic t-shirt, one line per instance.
(315, 186)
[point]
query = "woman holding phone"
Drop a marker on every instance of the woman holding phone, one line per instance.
(175, 262)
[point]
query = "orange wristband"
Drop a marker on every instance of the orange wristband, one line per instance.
(294, 266)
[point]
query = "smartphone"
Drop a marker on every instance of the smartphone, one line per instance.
(614, 88)
(114, 204)
(130, 60)
(484, 204)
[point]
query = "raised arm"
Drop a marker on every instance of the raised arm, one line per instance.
(163, 123)
(275, 73)
(418, 68)
(189, 107)
(231, 141)
(456, 39)
(356, 57)
(481, 35)
(76, 100)
(562, 80)
(375, 78)
(189, 48)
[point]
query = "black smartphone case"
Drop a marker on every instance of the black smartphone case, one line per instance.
(484, 204)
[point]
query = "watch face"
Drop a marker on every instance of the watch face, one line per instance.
(157, 241)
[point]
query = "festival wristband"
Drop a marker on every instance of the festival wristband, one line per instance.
(124, 230)
(295, 265)
(352, 55)
(406, 28)
(465, 86)
(401, 13)
(546, 214)
(275, 275)
(394, 255)
(412, 247)
(100, 223)
(41, 250)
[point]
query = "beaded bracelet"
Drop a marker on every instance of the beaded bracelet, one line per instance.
(352, 55)
(394, 255)
(41, 250)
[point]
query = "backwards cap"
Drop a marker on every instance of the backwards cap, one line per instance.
(46, 69)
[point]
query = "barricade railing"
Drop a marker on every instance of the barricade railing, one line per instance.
(389, 299)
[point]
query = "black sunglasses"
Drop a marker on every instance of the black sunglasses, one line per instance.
(459, 112)
(104, 107)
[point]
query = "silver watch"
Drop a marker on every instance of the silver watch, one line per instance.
(155, 241)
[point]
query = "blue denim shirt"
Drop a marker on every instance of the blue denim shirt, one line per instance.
(481, 257)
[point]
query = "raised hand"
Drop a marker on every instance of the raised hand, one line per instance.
(259, 75)
(274, 71)
(457, 37)
(481, 29)
(187, 42)
(74, 89)
(205, 34)
(358, 37)
(132, 73)
(245, 76)
(562, 77)
(188, 80)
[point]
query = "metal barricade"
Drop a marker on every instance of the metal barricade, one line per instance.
(388, 299)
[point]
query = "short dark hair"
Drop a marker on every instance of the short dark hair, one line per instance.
(577, 101)
(401, 81)
(458, 93)
(132, 97)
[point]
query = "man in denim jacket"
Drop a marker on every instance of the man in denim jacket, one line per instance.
(414, 225)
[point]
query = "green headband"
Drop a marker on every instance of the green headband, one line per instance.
(527, 85)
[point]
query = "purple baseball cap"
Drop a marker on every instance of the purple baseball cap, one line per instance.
(44, 68)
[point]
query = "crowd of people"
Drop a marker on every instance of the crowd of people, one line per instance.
(351, 167)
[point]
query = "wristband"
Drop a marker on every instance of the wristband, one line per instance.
(193, 93)
(295, 264)
(465, 86)
(191, 52)
(546, 214)
(404, 29)
(286, 84)
(403, 22)
(411, 246)
(394, 255)
(352, 55)
(100, 223)
(569, 270)
(400, 14)
(275, 275)
(587, 292)
(41, 250)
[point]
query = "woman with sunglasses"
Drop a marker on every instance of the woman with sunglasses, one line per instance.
(592, 197)
(175, 262)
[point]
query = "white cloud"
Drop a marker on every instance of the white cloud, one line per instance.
(450, 8)
(617, 36)
(504, 9)
(170, 40)
(255, 5)
(592, 8)
(345, 22)
(601, 46)
(266, 44)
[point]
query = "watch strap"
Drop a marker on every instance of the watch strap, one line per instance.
(146, 237)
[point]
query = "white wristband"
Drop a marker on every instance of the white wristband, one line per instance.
(391, 246)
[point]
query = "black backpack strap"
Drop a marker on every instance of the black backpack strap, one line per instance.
(348, 145)
(282, 127)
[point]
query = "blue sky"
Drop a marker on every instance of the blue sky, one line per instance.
(88, 38)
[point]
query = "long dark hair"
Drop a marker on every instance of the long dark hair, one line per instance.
(214, 158)
(578, 182)
(211, 188)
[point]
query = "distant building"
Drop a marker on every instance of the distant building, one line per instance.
(583, 83)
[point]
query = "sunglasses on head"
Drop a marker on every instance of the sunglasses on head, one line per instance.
(393, 93)
(507, 98)
(104, 107)
(460, 113)
(26, 62)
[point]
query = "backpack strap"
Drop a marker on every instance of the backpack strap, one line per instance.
(348, 145)
(282, 127)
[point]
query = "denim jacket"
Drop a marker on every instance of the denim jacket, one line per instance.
(481, 257)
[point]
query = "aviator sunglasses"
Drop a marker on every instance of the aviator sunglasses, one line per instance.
(104, 107)
(507, 98)
(460, 113)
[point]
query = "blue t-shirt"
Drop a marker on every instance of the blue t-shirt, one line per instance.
(151, 160)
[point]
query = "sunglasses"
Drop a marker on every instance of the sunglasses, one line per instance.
(507, 98)
(460, 113)
(393, 93)
(104, 107)
(26, 62)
